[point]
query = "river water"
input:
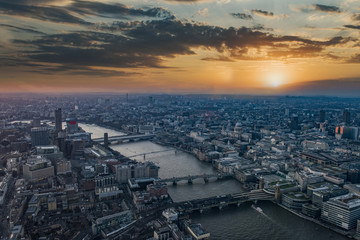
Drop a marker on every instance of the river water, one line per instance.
(233, 223)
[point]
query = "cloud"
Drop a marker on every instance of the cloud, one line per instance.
(22, 29)
(140, 44)
(352, 26)
(356, 17)
(116, 10)
(315, 7)
(262, 13)
(243, 16)
(355, 58)
(332, 87)
(326, 8)
(66, 14)
(218, 58)
(54, 14)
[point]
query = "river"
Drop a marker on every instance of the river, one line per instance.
(232, 223)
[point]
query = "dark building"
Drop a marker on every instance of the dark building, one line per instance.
(294, 124)
(58, 120)
(322, 116)
(39, 136)
(346, 117)
(106, 139)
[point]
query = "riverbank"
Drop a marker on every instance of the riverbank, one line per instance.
(349, 234)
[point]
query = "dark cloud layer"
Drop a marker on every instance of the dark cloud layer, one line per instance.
(54, 14)
(147, 43)
(326, 8)
(262, 12)
(242, 16)
(33, 9)
(352, 26)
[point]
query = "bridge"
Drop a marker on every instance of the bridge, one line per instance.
(123, 138)
(223, 201)
(154, 152)
(190, 178)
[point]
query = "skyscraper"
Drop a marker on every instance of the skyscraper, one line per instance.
(346, 117)
(322, 116)
(58, 120)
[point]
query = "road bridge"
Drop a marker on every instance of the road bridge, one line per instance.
(223, 201)
(123, 138)
(191, 178)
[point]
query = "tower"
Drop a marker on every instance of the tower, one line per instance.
(261, 183)
(58, 120)
(277, 193)
(346, 117)
(322, 116)
(106, 139)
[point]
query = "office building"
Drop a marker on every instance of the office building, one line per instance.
(72, 124)
(124, 172)
(322, 116)
(342, 211)
(39, 136)
(58, 120)
(346, 117)
(37, 168)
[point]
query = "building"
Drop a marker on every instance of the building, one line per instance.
(342, 211)
(37, 167)
(170, 214)
(52, 203)
(198, 232)
(311, 210)
(72, 124)
(346, 117)
(294, 200)
(123, 172)
(110, 225)
(51, 152)
(58, 120)
(39, 136)
(322, 116)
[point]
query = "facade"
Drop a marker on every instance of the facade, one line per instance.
(39, 136)
(294, 200)
(37, 168)
(342, 211)
(58, 120)
(124, 172)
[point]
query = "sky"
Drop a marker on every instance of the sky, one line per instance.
(180, 46)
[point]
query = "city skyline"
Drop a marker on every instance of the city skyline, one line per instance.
(170, 46)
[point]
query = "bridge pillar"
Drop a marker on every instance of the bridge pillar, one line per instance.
(190, 181)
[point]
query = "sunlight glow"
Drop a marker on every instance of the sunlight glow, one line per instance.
(275, 79)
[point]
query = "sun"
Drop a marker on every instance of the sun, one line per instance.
(275, 79)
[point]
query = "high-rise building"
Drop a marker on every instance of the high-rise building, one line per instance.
(72, 124)
(58, 120)
(322, 116)
(39, 136)
(106, 139)
(346, 117)
(36, 122)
